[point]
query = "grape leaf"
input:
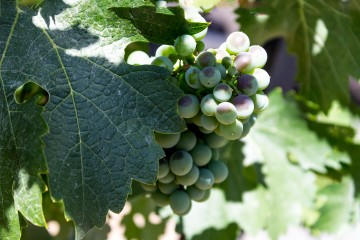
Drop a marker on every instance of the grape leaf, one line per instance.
(101, 116)
(321, 34)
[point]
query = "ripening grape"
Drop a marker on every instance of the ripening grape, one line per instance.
(259, 56)
(237, 42)
(165, 50)
(138, 58)
(226, 113)
(190, 178)
(220, 55)
(167, 140)
(160, 199)
(222, 92)
(209, 123)
(209, 77)
(219, 169)
(163, 61)
(168, 178)
(205, 180)
(205, 59)
(180, 163)
(243, 61)
(261, 101)
(232, 131)
(192, 77)
(167, 188)
(195, 193)
(180, 202)
(215, 141)
(188, 106)
(163, 168)
(247, 84)
(244, 106)
(262, 78)
(201, 154)
(187, 141)
(208, 105)
(185, 45)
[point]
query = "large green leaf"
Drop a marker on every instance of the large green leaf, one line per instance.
(321, 35)
(101, 116)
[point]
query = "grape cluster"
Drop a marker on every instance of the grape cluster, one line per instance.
(223, 93)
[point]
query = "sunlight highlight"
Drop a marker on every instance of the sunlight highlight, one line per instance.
(320, 36)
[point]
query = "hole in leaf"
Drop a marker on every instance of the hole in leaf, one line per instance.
(29, 90)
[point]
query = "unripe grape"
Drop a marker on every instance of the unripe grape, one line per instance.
(237, 42)
(221, 69)
(167, 188)
(160, 199)
(148, 187)
(163, 61)
(206, 196)
(201, 154)
(206, 179)
(232, 131)
(222, 92)
(209, 123)
(246, 129)
(231, 71)
(261, 101)
(259, 56)
(163, 168)
(167, 140)
(205, 59)
(185, 45)
(262, 78)
(168, 178)
(209, 77)
(138, 58)
(242, 62)
(192, 77)
(190, 178)
(165, 50)
(219, 169)
(188, 106)
(216, 152)
(180, 163)
(215, 141)
(187, 141)
(180, 202)
(208, 105)
(226, 113)
(200, 46)
(220, 55)
(197, 119)
(205, 131)
(244, 106)
(226, 62)
(247, 84)
(223, 46)
(195, 193)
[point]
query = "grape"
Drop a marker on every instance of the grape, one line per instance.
(167, 188)
(195, 193)
(221, 69)
(215, 141)
(262, 78)
(209, 77)
(192, 77)
(222, 92)
(246, 129)
(187, 141)
(259, 56)
(226, 62)
(252, 119)
(244, 106)
(237, 42)
(220, 55)
(206, 196)
(223, 46)
(180, 163)
(160, 199)
(232, 71)
(206, 179)
(161, 4)
(193, 15)
(201, 154)
(163, 61)
(180, 202)
(242, 62)
(197, 119)
(219, 169)
(226, 113)
(168, 178)
(205, 59)
(215, 153)
(185, 45)
(209, 123)
(261, 101)
(204, 130)
(247, 84)
(190, 178)
(200, 46)
(165, 50)
(138, 58)
(148, 187)
(188, 106)
(163, 168)
(167, 140)
(232, 131)
(208, 105)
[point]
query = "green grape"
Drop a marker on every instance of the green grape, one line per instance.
(219, 169)
(205, 180)
(167, 140)
(138, 58)
(187, 141)
(192, 77)
(215, 141)
(180, 163)
(163, 168)
(226, 113)
(180, 202)
(246, 129)
(201, 154)
(205, 59)
(232, 131)
(160, 199)
(259, 56)
(195, 193)
(215, 153)
(231, 71)
(197, 119)
(188, 106)
(208, 105)
(221, 69)
(209, 123)
(252, 119)
(206, 196)
(165, 50)
(244, 106)
(223, 47)
(247, 84)
(167, 188)
(205, 131)
(185, 45)
(222, 92)
(209, 77)
(242, 62)
(200, 46)
(237, 42)
(227, 62)
(192, 15)
(190, 178)
(221, 54)
(160, 4)
(261, 101)
(262, 78)
(168, 178)
(148, 187)
(163, 61)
